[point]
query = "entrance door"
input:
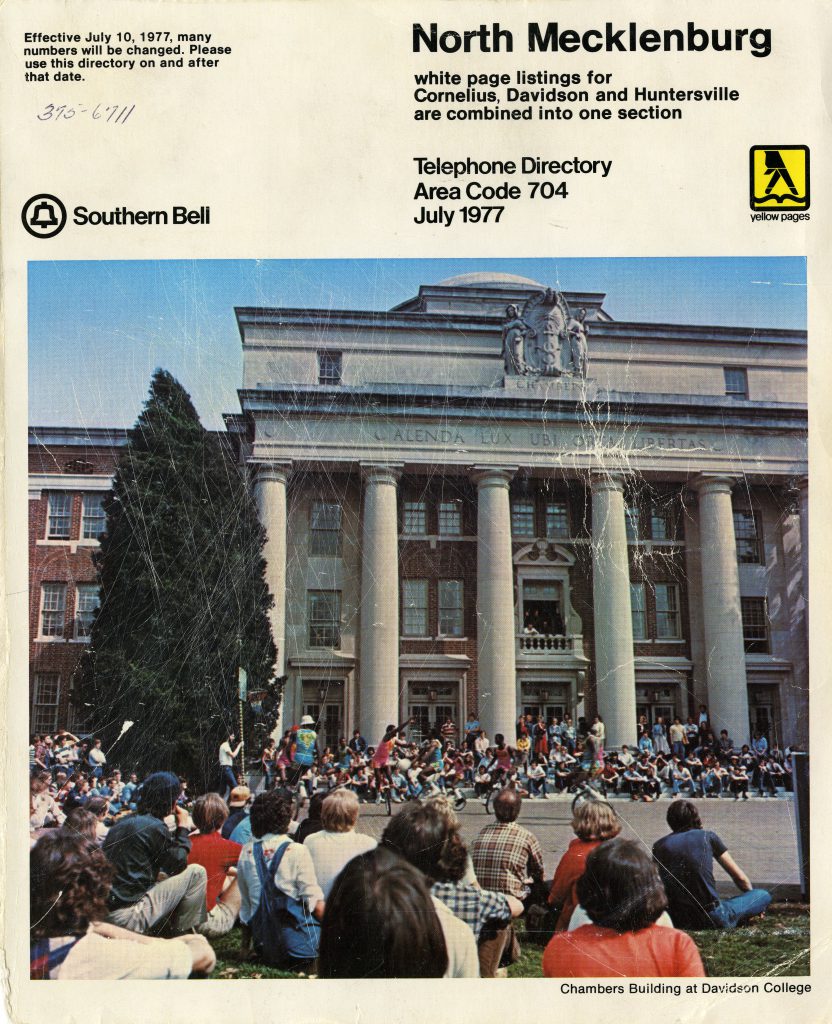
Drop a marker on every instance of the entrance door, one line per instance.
(652, 701)
(764, 712)
(324, 702)
(429, 704)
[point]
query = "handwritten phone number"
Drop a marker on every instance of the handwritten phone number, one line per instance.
(112, 113)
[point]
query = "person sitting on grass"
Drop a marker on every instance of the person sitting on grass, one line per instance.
(428, 835)
(593, 823)
(380, 923)
(335, 845)
(622, 893)
(70, 881)
(219, 858)
(685, 859)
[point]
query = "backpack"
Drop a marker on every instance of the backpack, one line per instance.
(281, 927)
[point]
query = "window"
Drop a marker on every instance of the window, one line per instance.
(632, 516)
(415, 607)
(754, 625)
(668, 625)
(329, 367)
(93, 517)
(47, 692)
(325, 528)
(639, 611)
(522, 519)
(325, 618)
(736, 382)
(747, 533)
(660, 528)
(450, 608)
(450, 518)
(415, 518)
(86, 604)
(52, 609)
(557, 520)
(60, 515)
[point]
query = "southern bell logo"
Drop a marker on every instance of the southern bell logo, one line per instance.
(43, 215)
(779, 178)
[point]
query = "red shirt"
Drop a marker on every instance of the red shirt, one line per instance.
(216, 855)
(593, 952)
(571, 867)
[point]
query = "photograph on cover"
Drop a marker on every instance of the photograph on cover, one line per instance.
(418, 618)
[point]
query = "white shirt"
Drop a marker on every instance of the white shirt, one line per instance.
(227, 755)
(296, 876)
(332, 851)
(97, 958)
(463, 960)
(97, 755)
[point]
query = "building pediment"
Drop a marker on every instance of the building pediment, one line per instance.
(543, 552)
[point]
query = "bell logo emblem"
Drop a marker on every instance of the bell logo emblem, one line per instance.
(44, 215)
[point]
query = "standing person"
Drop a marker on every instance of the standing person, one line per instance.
(334, 846)
(303, 750)
(227, 757)
(678, 738)
(448, 730)
(139, 847)
(704, 722)
(428, 836)
(472, 728)
(593, 822)
(568, 733)
(97, 759)
(267, 757)
(660, 737)
(505, 856)
(685, 859)
(622, 894)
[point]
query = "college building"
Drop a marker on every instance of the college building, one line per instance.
(494, 498)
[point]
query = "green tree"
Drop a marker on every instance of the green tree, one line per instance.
(184, 600)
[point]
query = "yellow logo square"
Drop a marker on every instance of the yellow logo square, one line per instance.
(779, 177)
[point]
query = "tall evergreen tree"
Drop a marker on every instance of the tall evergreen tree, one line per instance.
(184, 600)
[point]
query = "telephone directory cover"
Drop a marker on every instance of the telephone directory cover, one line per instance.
(417, 408)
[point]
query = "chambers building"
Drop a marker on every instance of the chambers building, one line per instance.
(495, 498)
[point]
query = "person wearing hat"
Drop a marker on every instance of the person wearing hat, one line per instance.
(303, 745)
(139, 847)
(238, 804)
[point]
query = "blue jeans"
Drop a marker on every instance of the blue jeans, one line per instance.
(229, 779)
(729, 913)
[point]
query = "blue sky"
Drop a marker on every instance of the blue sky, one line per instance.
(97, 330)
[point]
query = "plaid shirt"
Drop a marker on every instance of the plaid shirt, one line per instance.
(476, 907)
(505, 855)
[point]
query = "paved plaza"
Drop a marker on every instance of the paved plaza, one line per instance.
(760, 833)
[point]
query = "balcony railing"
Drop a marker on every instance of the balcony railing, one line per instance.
(549, 643)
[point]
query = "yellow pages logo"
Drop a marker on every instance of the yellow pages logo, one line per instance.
(779, 177)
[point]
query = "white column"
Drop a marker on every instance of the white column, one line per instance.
(379, 667)
(721, 609)
(496, 674)
(615, 679)
(270, 498)
(803, 489)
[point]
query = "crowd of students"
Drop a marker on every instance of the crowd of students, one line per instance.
(134, 880)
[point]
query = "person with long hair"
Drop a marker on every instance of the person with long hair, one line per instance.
(70, 881)
(622, 893)
(593, 822)
(380, 922)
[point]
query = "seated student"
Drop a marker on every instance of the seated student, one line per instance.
(621, 892)
(70, 881)
(776, 775)
(382, 903)
(238, 800)
(312, 822)
(681, 778)
(335, 845)
(536, 775)
(634, 781)
(738, 778)
(219, 858)
(685, 859)
(428, 835)
(140, 846)
(593, 823)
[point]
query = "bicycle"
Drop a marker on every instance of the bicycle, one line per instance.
(588, 789)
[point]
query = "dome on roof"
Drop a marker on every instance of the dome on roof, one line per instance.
(489, 277)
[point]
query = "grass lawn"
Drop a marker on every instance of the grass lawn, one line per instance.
(776, 946)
